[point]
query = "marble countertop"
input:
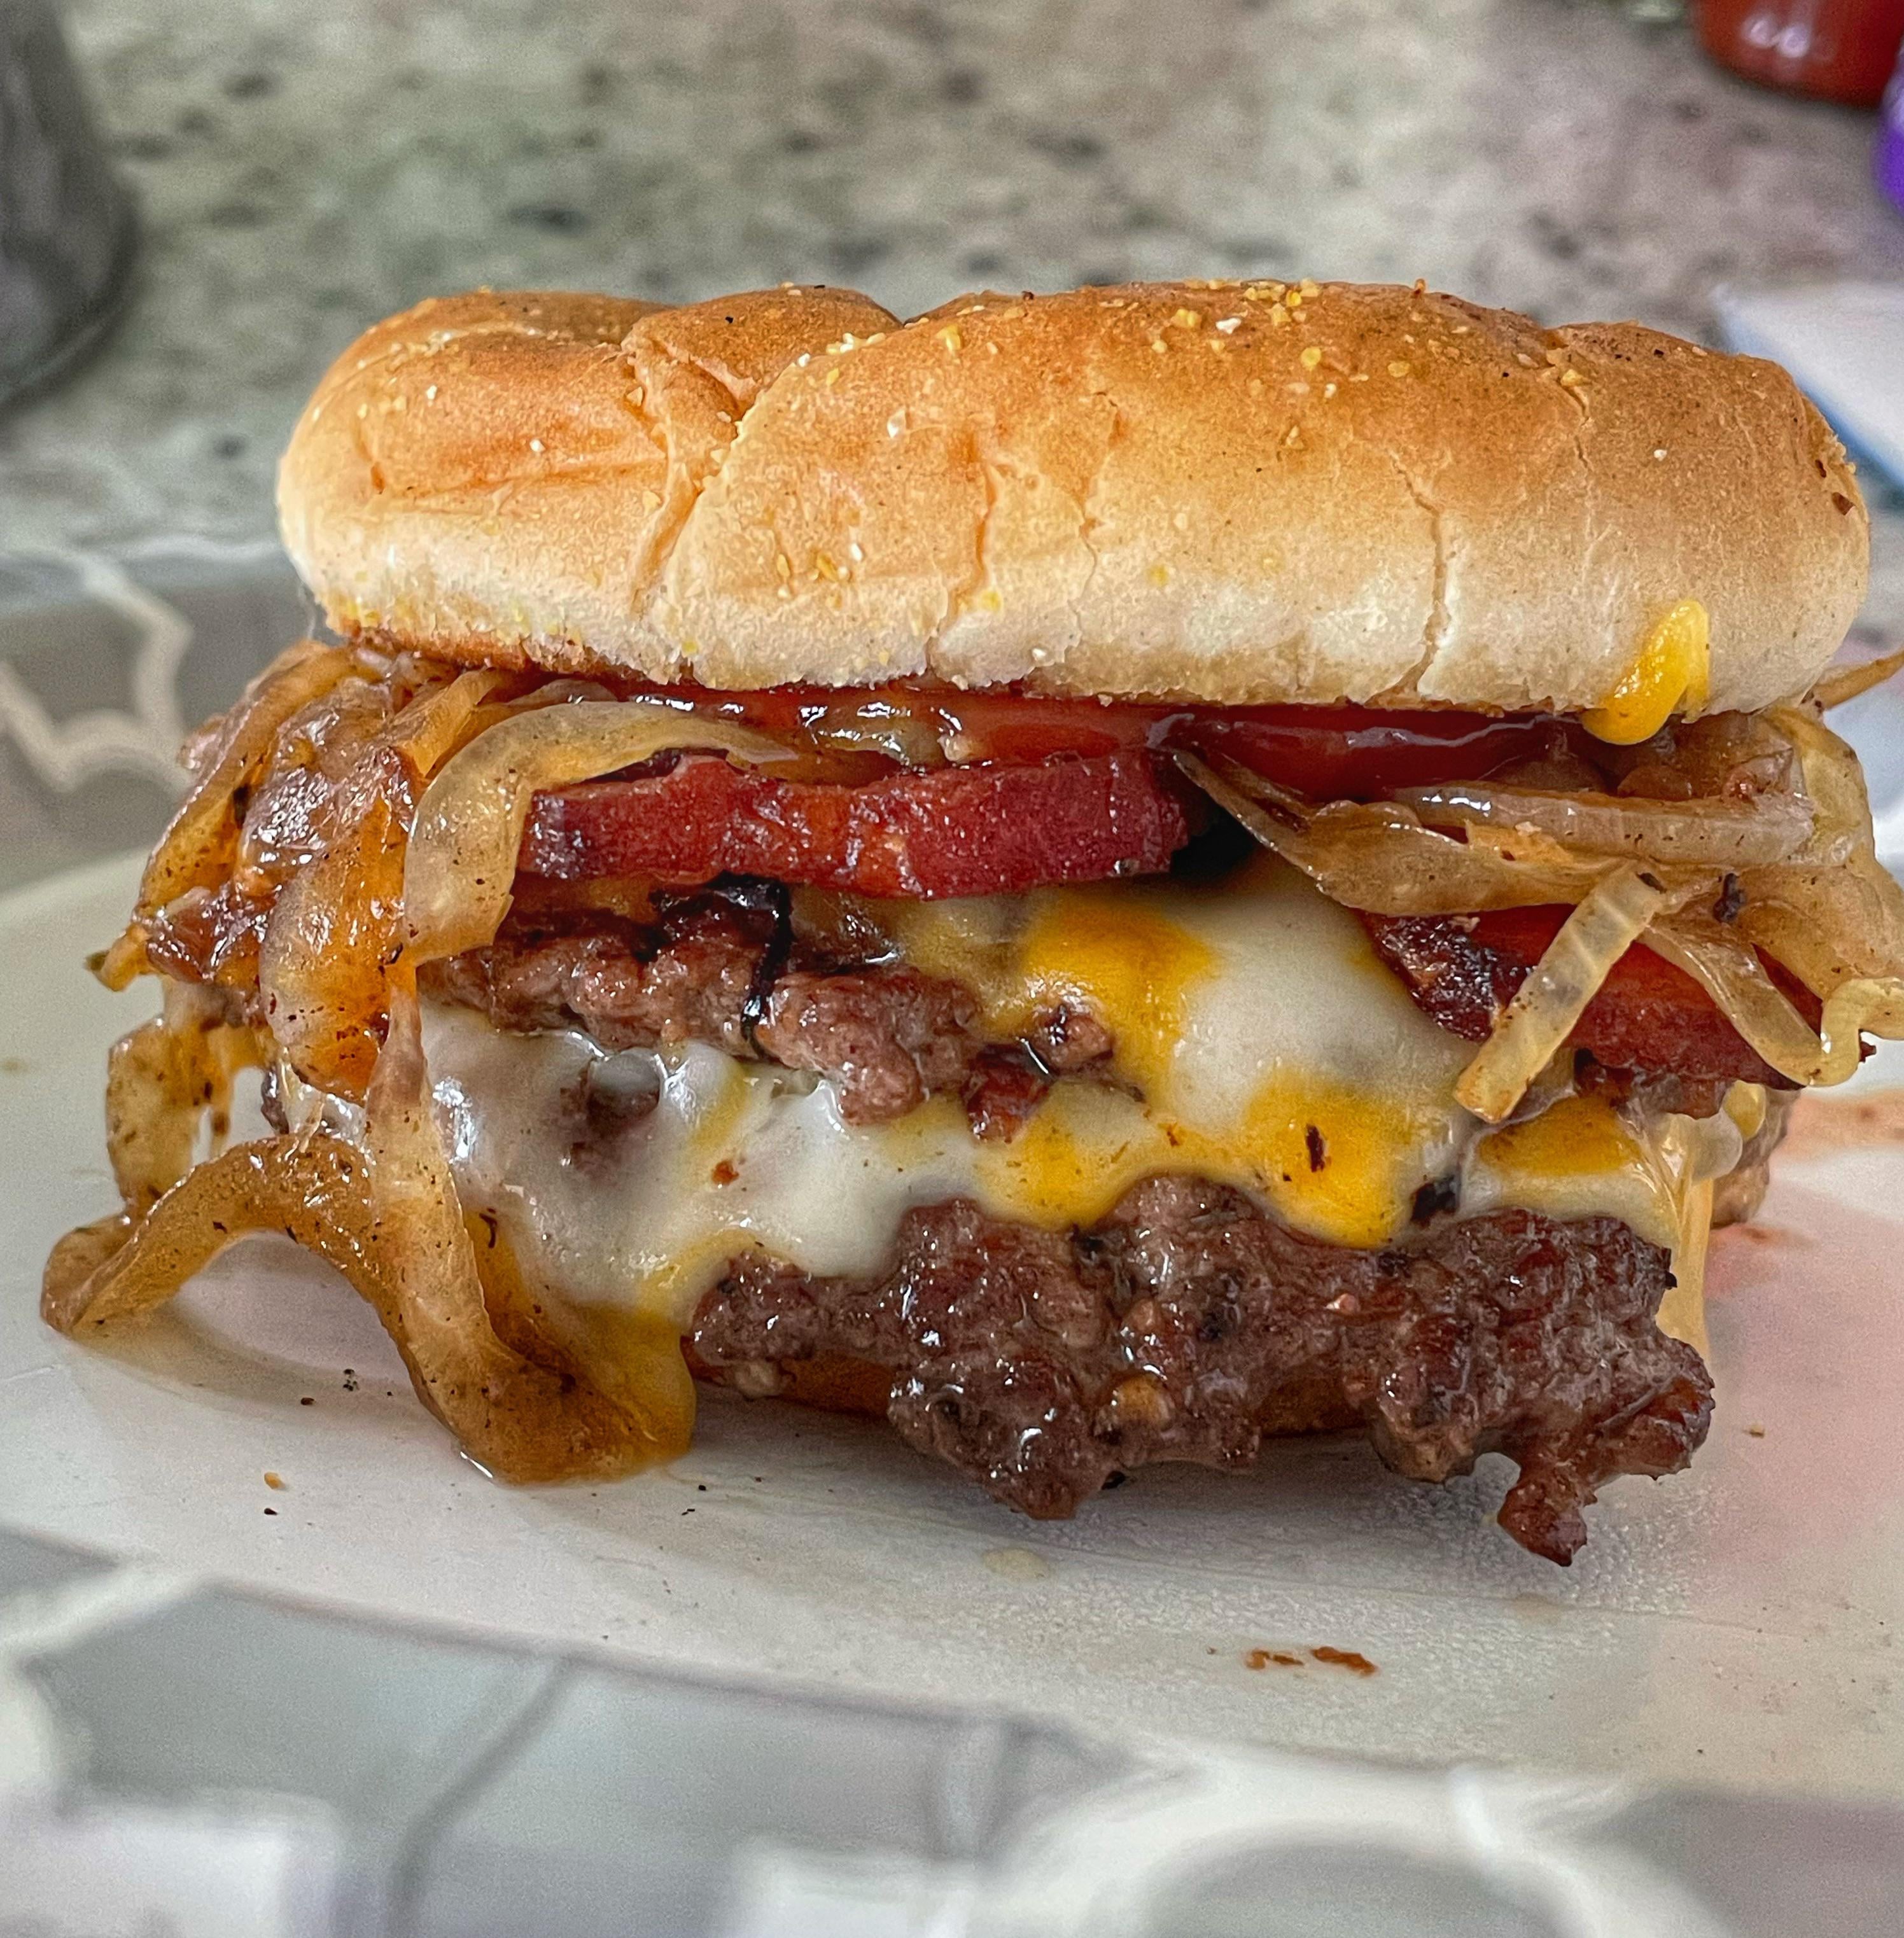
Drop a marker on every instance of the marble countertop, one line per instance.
(305, 169)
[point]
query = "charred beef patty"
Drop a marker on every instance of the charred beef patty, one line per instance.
(722, 969)
(1189, 1323)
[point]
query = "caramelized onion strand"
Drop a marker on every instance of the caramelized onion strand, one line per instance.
(387, 1218)
(460, 869)
(1838, 684)
(1557, 990)
(1380, 857)
(1722, 833)
(195, 850)
(162, 1079)
(1731, 972)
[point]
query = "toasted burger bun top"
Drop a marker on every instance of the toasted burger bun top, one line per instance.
(1227, 492)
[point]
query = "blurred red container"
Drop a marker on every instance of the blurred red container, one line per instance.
(1841, 49)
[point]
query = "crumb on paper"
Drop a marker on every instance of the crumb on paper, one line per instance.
(275, 1482)
(307, 1401)
(1756, 1433)
(1756, 1234)
(1351, 1659)
(1261, 1658)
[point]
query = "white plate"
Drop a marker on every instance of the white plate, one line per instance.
(1735, 1624)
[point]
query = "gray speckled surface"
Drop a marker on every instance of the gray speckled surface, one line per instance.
(306, 167)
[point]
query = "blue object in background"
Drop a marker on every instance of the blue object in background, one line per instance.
(1845, 344)
(1888, 163)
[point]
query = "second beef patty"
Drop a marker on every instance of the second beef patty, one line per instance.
(1189, 1323)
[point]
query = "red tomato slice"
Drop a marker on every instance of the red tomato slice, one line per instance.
(1354, 753)
(959, 830)
(1328, 752)
(1647, 1015)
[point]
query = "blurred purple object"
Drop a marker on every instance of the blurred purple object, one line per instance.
(1890, 157)
(67, 228)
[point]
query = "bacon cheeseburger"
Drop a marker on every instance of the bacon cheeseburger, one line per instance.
(1101, 875)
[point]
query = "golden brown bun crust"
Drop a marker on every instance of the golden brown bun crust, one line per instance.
(1228, 492)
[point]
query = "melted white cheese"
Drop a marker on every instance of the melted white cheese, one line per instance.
(1261, 1039)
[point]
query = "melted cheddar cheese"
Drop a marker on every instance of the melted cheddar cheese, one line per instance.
(1576, 1159)
(1674, 669)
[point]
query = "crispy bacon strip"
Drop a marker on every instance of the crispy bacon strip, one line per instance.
(951, 831)
(1463, 971)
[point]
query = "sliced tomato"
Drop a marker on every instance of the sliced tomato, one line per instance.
(1328, 752)
(951, 725)
(1356, 753)
(957, 831)
(968, 727)
(1647, 1015)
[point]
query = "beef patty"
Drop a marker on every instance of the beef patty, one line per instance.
(1189, 1323)
(724, 969)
